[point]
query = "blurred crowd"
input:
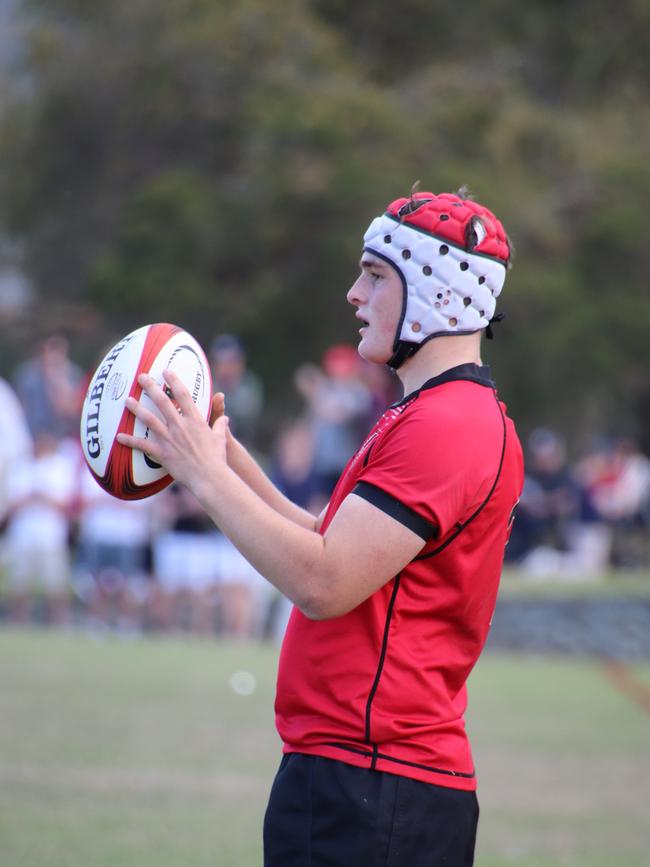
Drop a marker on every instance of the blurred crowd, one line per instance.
(577, 520)
(72, 554)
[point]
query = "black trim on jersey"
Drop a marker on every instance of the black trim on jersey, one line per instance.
(367, 457)
(380, 666)
(468, 372)
(460, 526)
(374, 755)
(392, 506)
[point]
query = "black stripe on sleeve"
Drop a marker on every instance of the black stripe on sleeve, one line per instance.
(393, 507)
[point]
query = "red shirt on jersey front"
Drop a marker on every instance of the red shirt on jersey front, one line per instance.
(383, 686)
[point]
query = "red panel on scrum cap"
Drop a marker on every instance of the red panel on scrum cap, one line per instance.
(448, 216)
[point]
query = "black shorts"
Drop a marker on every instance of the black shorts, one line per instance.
(325, 813)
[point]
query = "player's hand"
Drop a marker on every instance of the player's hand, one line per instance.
(179, 437)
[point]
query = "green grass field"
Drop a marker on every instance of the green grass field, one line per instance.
(140, 753)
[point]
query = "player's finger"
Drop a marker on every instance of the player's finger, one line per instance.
(146, 416)
(179, 392)
(217, 407)
(148, 446)
(158, 397)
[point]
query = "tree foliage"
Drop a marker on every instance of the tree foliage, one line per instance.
(215, 164)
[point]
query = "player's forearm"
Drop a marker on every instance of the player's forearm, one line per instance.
(290, 556)
(241, 461)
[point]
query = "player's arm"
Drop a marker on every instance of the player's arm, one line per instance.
(325, 576)
(247, 468)
(249, 471)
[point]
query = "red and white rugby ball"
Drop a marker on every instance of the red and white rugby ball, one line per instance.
(124, 472)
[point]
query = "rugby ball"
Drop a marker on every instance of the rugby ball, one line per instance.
(124, 472)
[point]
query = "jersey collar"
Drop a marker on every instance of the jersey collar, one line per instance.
(467, 372)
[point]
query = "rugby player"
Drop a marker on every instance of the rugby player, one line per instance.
(394, 584)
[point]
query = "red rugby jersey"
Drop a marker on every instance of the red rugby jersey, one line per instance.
(383, 686)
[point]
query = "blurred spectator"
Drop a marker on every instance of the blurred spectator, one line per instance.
(292, 473)
(15, 439)
(292, 462)
(243, 593)
(556, 532)
(111, 569)
(50, 388)
(338, 404)
(186, 564)
(616, 475)
(39, 489)
(241, 387)
(550, 497)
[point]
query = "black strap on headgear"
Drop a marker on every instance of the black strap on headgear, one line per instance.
(488, 331)
(403, 350)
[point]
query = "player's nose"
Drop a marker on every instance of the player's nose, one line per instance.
(356, 294)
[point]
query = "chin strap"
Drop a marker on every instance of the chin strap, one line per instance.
(498, 318)
(403, 351)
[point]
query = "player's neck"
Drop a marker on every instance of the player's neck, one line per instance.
(436, 356)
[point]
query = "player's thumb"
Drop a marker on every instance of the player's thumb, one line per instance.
(217, 407)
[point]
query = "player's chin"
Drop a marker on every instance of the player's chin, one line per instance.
(370, 350)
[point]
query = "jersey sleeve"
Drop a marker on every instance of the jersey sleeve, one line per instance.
(429, 473)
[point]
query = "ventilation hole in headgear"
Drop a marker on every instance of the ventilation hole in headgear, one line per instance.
(446, 301)
(467, 301)
(464, 266)
(406, 254)
(427, 270)
(387, 239)
(443, 217)
(453, 322)
(439, 295)
(444, 249)
(481, 313)
(481, 280)
(416, 327)
(448, 292)
(437, 304)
